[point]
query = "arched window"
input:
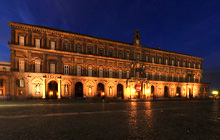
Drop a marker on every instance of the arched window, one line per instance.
(78, 48)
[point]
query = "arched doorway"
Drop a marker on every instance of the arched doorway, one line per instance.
(152, 91)
(178, 92)
(100, 89)
(79, 89)
(52, 90)
(166, 91)
(120, 93)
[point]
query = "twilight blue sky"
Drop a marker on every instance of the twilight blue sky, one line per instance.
(185, 26)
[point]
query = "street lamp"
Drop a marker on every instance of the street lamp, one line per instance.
(214, 93)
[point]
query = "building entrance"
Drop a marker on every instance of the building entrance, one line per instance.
(120, 93)
(52, 90)
(79, 89)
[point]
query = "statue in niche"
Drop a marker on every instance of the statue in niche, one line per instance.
(37, 89)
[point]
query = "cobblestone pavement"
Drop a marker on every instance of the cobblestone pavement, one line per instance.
(174, 120)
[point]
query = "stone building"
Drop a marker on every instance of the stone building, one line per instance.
(52, 63)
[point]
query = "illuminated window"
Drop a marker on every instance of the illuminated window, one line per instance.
(20, 83)
(110, 91)
(159, 60)
(21, 65)
(37, 43)
(78, 70)
(194, 65)
(101, 72)
(127, 74)
(152, 59)
(110, 73)
(172, 62)
(52, 45)
(152, 76)
(127, 55)
(120, 74)
(178, 63)
(159, 77)
(21, 40)
(166, 61)
(52, 68)
(90, 71)
(172, 77)
(66, 69)
(147, 75)
(37, 66)
(120, 54)
(189, 65)
(1, 92)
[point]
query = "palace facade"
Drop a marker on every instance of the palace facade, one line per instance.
(52, 63)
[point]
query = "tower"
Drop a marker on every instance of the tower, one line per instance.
(136, 40)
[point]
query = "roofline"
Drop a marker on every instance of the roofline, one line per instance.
(70, 32)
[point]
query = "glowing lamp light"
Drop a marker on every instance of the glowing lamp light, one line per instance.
(51, 93)
(177, 94)
(103, 94)
(215, 92)
(133, 90)
(148, 91)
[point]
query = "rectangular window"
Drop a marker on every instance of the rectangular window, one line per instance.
(66, 69)
(78, 70)
(110, 73)
(184, 64)
(21, 65)
(37, 43)
(137, 57)
(172, 62)
(52, 68)
(152, 59)
(21, 83)
(178, 63)
(152, 76)
(159, 60)
(78, 48)
(66, 46)
(166, 61)
(189, 65)
(21, 40)
(37, 66)
(127, 55)
(100, 72)
(127, 75)
(110, 53)
(178, 78)
(194, 65)
(137, 74)
(199, 66)
(52, 45)
(90, 71)
(147, 75)
(120, 74)
(146, 58)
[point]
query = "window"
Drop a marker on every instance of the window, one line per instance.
(147, 75)
(189, 65)
(166, 61)
(100, 72)
(199, 66)
(100, 52)
(146, 58)
(1, 82)
(78, 71)
(52, 68)
(66, 69)
(194, 65)
(127, 55)
(90, 71)
(137, 74)
(37, 43)
(21, 40)
(120, 74)
(166, 77)
(178, 63)
(120, 54)
(110, 53)
(66, 89)
(20, 83)
(178, 78)
(89, 50)
(66, 46)
(159, 77)
(127, 74)
(37, 66)
(78, 48)
(90, 90)
(184, 64)
(159, 60)
(172, 62)
(172, 77)
(152, 59)
(21, 65)
(52, 45)
(137, 57)
(152, 76)
(110, 73)
(199, 80)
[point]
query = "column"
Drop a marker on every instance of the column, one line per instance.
(59, 85)
(44, 81)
